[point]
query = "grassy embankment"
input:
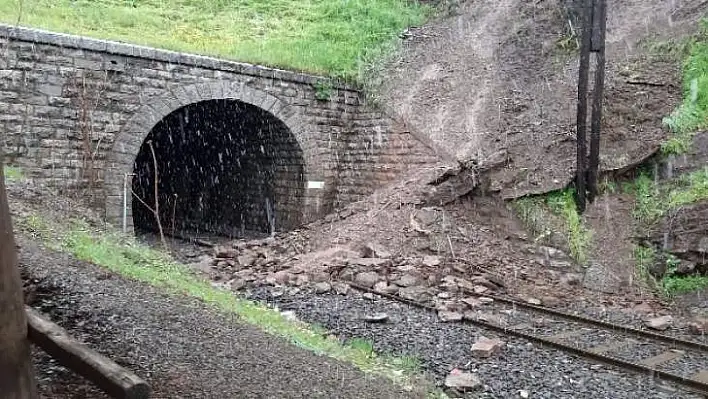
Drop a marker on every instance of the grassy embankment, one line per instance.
(340, 38)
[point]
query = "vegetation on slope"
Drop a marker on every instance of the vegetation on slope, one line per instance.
(692, 114)
(554, 212)
(654, 201)
(336, 37)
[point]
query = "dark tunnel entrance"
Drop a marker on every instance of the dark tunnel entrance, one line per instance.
(225, 167)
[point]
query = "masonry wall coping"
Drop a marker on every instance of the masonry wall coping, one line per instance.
(40, 36)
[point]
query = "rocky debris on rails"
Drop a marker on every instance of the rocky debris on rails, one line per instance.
(660, 323)
(462, 381)
(486, 347)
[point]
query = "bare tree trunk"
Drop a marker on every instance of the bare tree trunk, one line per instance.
(16, 373)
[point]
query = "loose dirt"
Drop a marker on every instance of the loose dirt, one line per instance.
(498, 80)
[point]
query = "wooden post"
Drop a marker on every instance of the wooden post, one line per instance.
(582, 112)
(16, 371)
(598, 46)
(102, 371)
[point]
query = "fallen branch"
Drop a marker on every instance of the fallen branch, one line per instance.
(103, 372)
(645, 83)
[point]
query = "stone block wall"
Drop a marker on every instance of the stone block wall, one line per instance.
(74, 112)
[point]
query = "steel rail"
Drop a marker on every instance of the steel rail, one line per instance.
(694, 385)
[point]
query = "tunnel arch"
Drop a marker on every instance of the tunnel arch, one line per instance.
(131, 141)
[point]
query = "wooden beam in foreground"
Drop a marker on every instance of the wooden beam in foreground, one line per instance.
(100, 370)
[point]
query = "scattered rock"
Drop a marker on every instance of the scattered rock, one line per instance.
(426, 216)
(447, 315)
(472, 302)
(376, 318)
(660, 323)
(374, 250)
(643, 308)
(341, 288)
(371, 262)
(462, 381)
(282, 277)
(320, 277)
(524, 393)
(698, 326)
(367, 279)
(246, 260)
(552, 253)
(385, 288)
(432, 260)
(571, 279)
(480, 289)
(685, 267)
(347, 274)
(485, 347)
(237, 285)
(406, 280)
(550, 301)
(221, 251)
(322, 288)
(415, 293)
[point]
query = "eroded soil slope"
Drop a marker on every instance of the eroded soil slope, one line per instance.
(498, 81)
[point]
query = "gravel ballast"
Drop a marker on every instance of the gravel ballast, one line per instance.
(180, 346)
(520, 366)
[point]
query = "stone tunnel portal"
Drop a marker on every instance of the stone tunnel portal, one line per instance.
(223, 166)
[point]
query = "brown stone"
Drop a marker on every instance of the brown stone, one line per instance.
(415, 293)
(372, 262)
(660, 323)
(375, 250)
(246, 260)
(472, 302)
(341, 288)
(698, 326)
(322, 288)
(282, 277)
(485, 347)
(385, 288)
(222, 251)
(432, 260)
(367, 279)
(462, 381)
(447, 315)
(406, 280)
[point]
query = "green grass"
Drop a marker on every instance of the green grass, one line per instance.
(534, 212)
(654, 201)
(579, 236)
(674, 285)
(692, 115)
(13, 173)
(335, 37)
(136, 261)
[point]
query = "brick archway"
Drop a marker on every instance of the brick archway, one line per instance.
(131, 137)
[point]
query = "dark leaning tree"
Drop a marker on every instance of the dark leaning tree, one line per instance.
(16, 373)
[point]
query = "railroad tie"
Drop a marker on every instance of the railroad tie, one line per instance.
(662, 358)
(560, 337)
(612, 346)
(701, 376)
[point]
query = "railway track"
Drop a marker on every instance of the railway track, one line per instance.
(660, 356)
